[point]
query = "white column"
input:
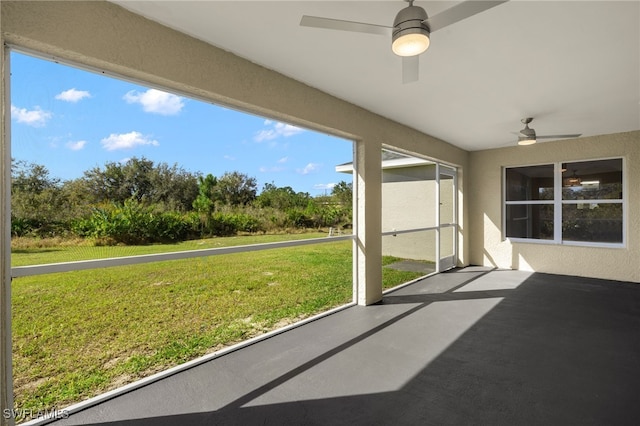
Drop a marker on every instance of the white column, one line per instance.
(368, 221)
(6, 380)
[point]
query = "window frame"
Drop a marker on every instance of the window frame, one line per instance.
(558, 204)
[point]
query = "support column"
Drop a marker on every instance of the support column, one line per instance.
(6, 379)
(368, 224)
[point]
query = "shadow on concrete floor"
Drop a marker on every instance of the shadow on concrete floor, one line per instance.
(471, 346)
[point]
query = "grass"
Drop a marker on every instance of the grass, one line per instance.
(78, 334)
(29, 251)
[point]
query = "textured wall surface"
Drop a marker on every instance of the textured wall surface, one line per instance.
(485, 212)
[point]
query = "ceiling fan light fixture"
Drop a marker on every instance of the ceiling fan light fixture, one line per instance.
(410, 44)
(525, 140)
(527, 135)
(410, 31)
(573, 180)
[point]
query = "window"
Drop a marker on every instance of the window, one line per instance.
(592, 201)
(579, 202)
(530, 204)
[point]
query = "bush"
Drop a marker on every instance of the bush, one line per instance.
(298, 219)
(31, 227)
(21, 227)
(223, 224)
(173, 226)
(134, 223)
(247, 223)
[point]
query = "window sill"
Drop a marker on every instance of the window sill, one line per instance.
(566, 243)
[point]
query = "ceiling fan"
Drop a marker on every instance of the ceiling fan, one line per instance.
(527, 136)
(411, 30)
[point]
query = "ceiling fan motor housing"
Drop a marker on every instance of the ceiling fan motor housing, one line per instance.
(528, 132)
(410, 20)
(527, 135)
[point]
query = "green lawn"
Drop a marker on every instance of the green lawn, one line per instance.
(78, 334)
(35, 252)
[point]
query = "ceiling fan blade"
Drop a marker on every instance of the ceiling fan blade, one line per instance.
(337, 24)
(410, 68)
(459, 12)
(575, 135)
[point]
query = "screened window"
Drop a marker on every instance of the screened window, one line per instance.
(530, 205)
(578, 202)
(592, 201)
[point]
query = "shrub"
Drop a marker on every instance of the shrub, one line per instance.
(173, 226)
(21, 227)
(298, 219)
(134, 223)
(32, 227)
(223, 224)
(246, 223)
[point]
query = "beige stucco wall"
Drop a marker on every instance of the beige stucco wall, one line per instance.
(409, 202)
(485, 212)
(409, 205)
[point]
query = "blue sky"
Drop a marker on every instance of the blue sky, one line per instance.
(71, 120)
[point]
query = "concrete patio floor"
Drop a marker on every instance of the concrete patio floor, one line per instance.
(470, 346)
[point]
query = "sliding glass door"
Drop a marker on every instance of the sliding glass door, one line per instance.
(447, 186)
(419, 215)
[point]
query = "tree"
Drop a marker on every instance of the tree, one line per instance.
(141, 180)
(108, 184)
(137, 174)
(343, 192)
(281, 198)
(36, 198)
(31, 177)
(76, 196)
(204, 202)
(173, 187)
(235, 189)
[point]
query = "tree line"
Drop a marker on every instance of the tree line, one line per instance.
(140, 202)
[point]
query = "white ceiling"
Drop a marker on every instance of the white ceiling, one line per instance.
(572, 65)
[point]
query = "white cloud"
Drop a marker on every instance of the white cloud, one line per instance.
(276, 130)
(54, 141)
(73, 95)
(156, 101)
(287, 130)
(126, 141)
(265, 135)
(324, 186)
(274, 169)
(35, 117)
(76, 146)
(309, 168)
(229, 157)
(283, 160)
